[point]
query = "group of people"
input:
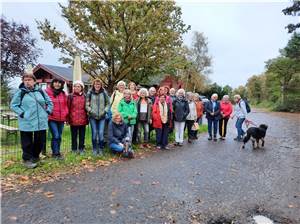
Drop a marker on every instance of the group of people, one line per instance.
(128, 116)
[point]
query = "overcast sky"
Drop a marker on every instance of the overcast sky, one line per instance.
(241, 36)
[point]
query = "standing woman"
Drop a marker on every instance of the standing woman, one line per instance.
(199, 108)
(32, 105)
(127, 108)
(226, 110)
(58, 116)
(180, 111)
(161, 117)
(97, 106)
(134, 95)
(144, 109)
(152, 94)
(212, 109)
(77, 116)
(117, 96)
(191, 117)
(133, 90)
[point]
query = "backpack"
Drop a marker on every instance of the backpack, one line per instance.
(23, 92)
(248, 108)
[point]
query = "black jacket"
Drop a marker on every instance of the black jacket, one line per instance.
(181, 109)
(117, 132)
(209, 109)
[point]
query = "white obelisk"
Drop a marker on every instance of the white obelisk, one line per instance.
(77, 76)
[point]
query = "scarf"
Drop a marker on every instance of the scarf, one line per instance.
(163, 110)
(56, 92)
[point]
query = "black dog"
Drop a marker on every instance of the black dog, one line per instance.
(256, 134)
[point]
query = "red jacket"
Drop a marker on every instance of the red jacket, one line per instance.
(60, 108)
(226, 109)
(77, 113)
(156, 119)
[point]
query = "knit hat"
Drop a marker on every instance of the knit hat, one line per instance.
(78, 82)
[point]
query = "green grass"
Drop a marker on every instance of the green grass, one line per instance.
(11, 162)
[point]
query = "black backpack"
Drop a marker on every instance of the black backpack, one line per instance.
(23, 92)
(248, 108)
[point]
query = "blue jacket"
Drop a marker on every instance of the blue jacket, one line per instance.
(117, 132)
(33, 110)
(209, 109)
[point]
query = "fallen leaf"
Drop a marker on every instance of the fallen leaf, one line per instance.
(113, 212)
(155, 182)
(49, 194)
(136, 182)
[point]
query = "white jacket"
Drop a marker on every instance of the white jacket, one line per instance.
(240, 110)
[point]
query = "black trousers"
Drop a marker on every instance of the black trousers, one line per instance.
(223, 126)
(75, 131)
(189, 125)
(32, 143)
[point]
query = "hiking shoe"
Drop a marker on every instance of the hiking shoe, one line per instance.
(180, 144)
(215, 139)
(176, 144)
(81, 152)
(209, 138)
(189, 140)
(30, 164)
(35, 160)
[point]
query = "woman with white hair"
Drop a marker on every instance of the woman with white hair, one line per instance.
(226, 110)
(180, 112)
(144, 111)
(212, 109)
(117, 96)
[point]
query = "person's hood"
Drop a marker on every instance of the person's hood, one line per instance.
(22, 87)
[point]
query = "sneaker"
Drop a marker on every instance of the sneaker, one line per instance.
(189, 140)
(215, 139)
(95, 153)
(166, 148)
(209, 138)
(158, 147)
(180, 144)
(81, 152)
(58, 157)
(35, 160)
(29, 164)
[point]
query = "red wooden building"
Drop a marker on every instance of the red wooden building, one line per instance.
(45, 73)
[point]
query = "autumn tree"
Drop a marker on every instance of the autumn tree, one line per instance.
(117, 39)
(18, 49)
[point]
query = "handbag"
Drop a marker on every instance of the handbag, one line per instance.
(195, 126)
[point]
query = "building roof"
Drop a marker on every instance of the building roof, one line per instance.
(63, 72)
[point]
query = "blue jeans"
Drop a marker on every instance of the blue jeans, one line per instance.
(239, 127)
(56, 129)
(97, 133)
(212, 124)
(116, 147)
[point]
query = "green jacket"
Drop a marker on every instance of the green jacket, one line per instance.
(128, 110)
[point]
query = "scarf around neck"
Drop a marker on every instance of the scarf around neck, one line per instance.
(163, 109)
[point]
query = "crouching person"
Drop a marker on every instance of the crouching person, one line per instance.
(119, 136)
(32, 105)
